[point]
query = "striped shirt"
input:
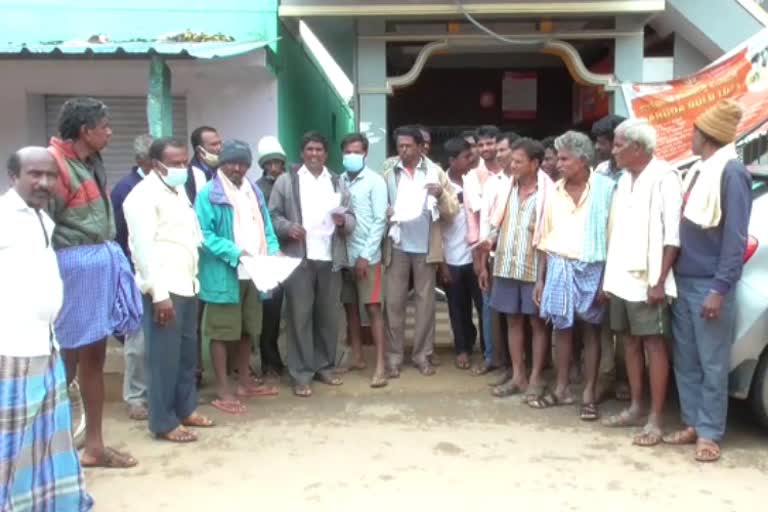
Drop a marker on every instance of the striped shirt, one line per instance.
(515, 254)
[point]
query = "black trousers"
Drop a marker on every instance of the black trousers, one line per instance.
(463, 292)
(270, 332)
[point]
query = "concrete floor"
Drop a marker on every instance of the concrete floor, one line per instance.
(421, 443)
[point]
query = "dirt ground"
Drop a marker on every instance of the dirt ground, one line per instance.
(422, 443)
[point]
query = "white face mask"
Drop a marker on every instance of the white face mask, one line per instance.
(209, 158)
(176, 177)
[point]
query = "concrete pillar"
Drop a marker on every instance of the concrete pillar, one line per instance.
(371, 97)
(159, 99)
(628, 59)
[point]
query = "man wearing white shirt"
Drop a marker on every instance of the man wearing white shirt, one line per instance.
(310, 209)
(644, 244)
(164, 237)
(39, 466)
(456, 272)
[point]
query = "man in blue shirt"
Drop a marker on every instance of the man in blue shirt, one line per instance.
(362, 283)
(135, 376)
(717, 201)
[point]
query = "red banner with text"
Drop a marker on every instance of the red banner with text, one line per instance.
(673, 106)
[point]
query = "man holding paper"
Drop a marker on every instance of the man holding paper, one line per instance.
(310, 209)
(236, 224)
(422, 197)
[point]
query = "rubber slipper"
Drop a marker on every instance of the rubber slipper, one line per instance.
(259, 391)
(229, 406)
(111, 459)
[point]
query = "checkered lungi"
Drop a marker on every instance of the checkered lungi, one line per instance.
(39, 467)
(100, 295)
(570, 290)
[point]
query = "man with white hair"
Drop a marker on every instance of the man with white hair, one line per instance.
(135, 376)
(644, 244)
(572, 253)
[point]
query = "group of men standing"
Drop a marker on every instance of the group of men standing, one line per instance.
(524, 232)
(629, 256)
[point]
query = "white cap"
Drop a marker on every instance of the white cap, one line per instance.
(270, 149)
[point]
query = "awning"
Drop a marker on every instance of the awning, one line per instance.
(204, 50)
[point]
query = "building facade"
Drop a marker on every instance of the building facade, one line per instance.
(237, 68)
(533, 66)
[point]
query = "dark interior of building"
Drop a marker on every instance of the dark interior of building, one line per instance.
(464, 87)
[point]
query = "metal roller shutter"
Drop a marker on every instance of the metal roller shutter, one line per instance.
(129, 119)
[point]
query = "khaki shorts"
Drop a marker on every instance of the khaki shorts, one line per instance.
(639, 318)
(367, 291)
(231, 322)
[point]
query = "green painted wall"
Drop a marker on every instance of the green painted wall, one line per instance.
(307, 100)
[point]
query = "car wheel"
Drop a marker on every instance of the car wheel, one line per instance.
(759, 394)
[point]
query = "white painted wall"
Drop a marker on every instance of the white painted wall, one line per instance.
(658, 69)
(238, 96)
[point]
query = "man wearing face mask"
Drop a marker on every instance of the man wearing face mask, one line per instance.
(206, 144)
(164, 237)
(362, 284)
(235, 223)
(272, 160)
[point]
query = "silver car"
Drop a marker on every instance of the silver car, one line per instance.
(749, 356)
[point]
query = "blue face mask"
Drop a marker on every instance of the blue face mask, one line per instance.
(176, 177)
(353, 162)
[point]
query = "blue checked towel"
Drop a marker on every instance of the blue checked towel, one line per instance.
(596, 231)
(100, 295)
(569, 292)
(39, 466)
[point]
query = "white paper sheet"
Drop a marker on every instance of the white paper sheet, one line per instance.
(326, 227)
(267, 272)
(409, 204)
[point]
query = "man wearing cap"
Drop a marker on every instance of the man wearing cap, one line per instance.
(713, 237)
(272, 161)
(235, 222)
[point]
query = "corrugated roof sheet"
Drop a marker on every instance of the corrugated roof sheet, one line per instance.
(205, 50)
